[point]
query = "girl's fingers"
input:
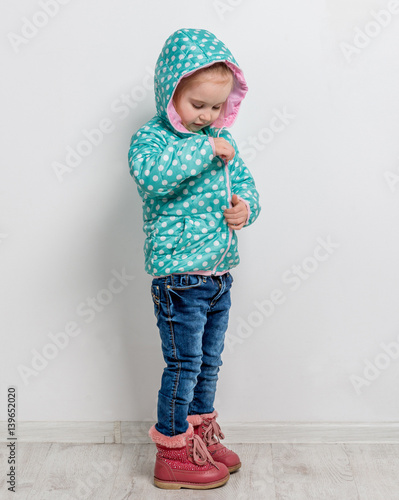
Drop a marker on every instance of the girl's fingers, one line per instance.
(231, 221)
(236, 227)
(234, 217)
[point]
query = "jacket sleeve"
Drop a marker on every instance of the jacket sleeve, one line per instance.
(159, 165)
(243, 184)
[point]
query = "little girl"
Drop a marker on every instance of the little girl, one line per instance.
(196, 192)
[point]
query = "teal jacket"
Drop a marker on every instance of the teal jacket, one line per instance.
(184, 187)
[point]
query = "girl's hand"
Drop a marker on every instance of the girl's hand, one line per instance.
(223, 149)
(237, 215)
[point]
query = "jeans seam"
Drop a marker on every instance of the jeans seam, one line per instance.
(172, 339)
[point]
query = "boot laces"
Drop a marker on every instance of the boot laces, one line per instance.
(212, 433)
(200, 453)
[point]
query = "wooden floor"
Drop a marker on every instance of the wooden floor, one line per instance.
(269, 471)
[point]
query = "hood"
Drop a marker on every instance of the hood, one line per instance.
(184, 52)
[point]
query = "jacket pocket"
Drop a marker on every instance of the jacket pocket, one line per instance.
(165, 236)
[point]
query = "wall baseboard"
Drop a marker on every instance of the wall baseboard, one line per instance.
(244, 432)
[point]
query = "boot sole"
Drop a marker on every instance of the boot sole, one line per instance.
(234, 468)
(166, 485)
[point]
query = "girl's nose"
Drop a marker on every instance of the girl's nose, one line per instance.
(205, 116)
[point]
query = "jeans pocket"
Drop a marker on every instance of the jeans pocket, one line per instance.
(156, 299)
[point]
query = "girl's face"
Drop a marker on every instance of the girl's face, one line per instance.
(200, 104)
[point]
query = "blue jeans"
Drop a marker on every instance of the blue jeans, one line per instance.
(192, 314)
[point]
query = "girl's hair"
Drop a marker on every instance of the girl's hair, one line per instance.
(219, 71)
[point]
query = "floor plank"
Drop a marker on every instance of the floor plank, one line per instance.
(376, 470)
(73, 471)
(273, 471)
(30, 459)
(313, 471)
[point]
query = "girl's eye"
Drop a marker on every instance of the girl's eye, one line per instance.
(197, 106)
(216, 107)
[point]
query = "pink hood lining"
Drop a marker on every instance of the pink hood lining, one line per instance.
(232, 106)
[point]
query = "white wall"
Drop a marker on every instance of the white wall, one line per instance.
(330, 173)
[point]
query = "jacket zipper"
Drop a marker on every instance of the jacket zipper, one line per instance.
(226, 168)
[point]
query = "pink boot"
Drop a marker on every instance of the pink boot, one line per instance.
(208, 429)
(184, 462)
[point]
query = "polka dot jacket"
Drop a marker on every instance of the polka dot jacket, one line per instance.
(184, 187)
